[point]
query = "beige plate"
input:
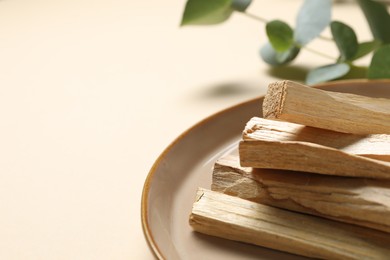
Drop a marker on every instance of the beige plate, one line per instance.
(186, 164)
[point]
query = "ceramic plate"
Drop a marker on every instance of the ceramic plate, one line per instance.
(186, 164)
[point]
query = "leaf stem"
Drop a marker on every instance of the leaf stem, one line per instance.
(255, 17)
(318, 53)
(325, 38)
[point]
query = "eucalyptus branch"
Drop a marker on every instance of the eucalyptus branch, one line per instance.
(263, 20)
(284, 42)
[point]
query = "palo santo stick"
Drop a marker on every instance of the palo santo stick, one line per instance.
(375, 146)
(309, 157)
(359, 201)
(233, 218)
(348, 113)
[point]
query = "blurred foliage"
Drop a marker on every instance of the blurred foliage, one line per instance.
(285, 43)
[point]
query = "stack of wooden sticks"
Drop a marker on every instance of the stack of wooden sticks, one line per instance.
(312, 177)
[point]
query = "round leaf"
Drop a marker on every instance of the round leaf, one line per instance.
(378, 19)
(313, 18)
(365, 48)
(326, 73)
(205, 12)
(380, 64)
(356, 72)
(274, 58)
(345, 39)
(280, 35)
(241, 5)
(287, 56)
(268, 54)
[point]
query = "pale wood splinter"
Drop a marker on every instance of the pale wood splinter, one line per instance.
(348, 113)
(309, 157)
(359, 201)
(229, 217)
(376, 146)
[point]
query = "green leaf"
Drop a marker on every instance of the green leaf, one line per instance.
(378, 19)
(365, 48)
(326, 73)
(268, 54)
(206, 12)
(313, 18)
(345, 39)
(274, 58)
(380, 63)
(356, 72)
(280, 35)
(241, 5)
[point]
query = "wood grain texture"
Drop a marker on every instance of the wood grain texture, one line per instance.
(310, 157)
(363, 202)
(348, 113)
(229, 217)
(376, 146)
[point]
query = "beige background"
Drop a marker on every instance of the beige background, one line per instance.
(91, 92)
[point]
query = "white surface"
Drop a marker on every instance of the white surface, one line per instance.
(91, 92)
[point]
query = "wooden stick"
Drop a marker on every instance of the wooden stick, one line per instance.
(373, 146)
(310, 157)
(233, 218)
(358, 201)
(348, 113)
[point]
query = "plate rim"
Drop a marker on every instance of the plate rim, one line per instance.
(145, 192)
(153, 246)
